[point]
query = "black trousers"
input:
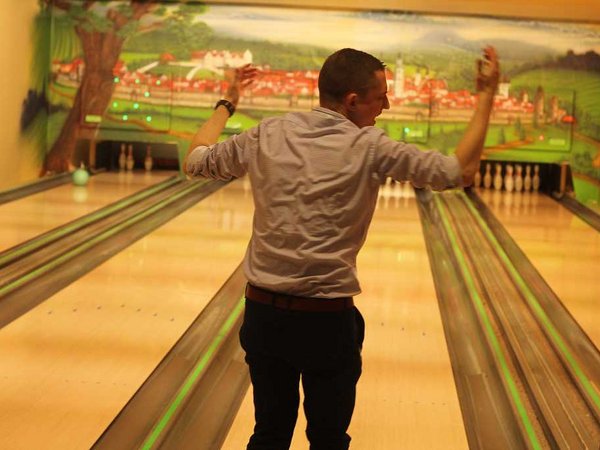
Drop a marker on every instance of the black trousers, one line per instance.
(322, 349)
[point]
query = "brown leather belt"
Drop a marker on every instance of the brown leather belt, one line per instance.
(283, 301)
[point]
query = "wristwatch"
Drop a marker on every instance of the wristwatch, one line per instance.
(227, 104)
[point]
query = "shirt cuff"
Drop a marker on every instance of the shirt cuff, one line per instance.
(194, 160)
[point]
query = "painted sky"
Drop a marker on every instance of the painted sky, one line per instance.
(380, 31)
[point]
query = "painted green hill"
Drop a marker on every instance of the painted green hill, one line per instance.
(585, 84)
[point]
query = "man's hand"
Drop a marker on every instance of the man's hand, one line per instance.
(210, 130)
(468, 150)
(242, 77)
(488, 71)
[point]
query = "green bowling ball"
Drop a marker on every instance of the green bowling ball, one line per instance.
(80, 177)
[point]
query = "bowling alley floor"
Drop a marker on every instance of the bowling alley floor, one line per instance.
(27, 217)
(70, 364)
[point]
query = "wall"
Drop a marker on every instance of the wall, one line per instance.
(18, 160)
(564, 10)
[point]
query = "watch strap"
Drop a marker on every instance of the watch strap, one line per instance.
(227, 104)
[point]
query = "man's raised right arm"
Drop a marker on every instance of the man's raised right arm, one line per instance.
(470, 147)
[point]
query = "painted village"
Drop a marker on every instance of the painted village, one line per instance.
(418, 97)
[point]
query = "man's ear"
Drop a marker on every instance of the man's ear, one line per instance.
(350, 101)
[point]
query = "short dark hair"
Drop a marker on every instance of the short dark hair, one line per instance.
(347, 70)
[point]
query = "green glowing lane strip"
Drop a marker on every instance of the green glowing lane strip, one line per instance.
(539, 311)
(191, 379)
(488, 328)
(76, 225)
(9, 287)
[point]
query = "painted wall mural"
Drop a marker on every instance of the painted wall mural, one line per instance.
(152, 71)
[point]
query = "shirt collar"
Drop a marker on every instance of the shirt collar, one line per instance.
(329, 112)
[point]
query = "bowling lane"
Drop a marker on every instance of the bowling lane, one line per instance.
(563, 248)
(406, 395)
(69, 365)
(30, 216)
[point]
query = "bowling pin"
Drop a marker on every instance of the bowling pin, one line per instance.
(487, 178)
(122, 158)
(498, 177)
(148, 162)
(535, 182)
(477, 179)
(519, 178)
(130, 160)
(527, 179)
(509, 182)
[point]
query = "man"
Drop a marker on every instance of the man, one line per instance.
(315, 178)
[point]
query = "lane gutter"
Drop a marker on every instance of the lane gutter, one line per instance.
(479, 379)
(586, 214)
(569, 328)
(85, 246)
(200, 380)
(489, 331)
(34, 187)
(191, 381)
(20, 295)
(18, 251)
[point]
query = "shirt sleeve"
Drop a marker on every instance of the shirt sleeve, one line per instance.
(406, 162)
(223, 160)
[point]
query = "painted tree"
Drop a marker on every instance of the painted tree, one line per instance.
(518, 125)
(101, 29)
(501, 136)
(522, 134)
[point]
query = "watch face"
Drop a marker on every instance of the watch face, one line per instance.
(227, 105)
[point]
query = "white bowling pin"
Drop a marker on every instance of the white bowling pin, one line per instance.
(130, 160)
(519, 178)
(122, 158)
(535, 182)
(498, 177)
(148, 162)
(477, 179)
(509, 182)
(527, 179)
(487, 178)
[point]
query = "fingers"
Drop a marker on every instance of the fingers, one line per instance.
(488, 70)
(245, 74)
(490, 53)
(239, 79)
(491, 57)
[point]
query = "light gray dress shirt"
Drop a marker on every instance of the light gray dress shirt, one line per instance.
(315, 178)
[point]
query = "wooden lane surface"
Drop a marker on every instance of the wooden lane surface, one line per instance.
(406, 395)
(69, 365)
(25, 218)
(562, 247)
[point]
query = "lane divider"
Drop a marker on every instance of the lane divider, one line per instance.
(10, 287)
(489, 330)
(531, 299)
(192, 379)
(11, 255)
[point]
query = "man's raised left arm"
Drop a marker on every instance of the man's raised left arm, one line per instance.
(209, 132)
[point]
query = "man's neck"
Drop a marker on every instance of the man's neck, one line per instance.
(335, 107)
